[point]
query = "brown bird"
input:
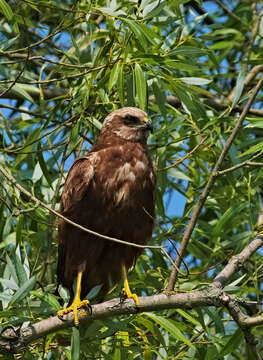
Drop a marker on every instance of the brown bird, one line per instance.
(109, 191)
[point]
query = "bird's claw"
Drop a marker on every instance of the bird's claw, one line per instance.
(127, 294)
(75, 306)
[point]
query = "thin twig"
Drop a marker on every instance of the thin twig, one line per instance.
(6, 204)
(66, 77)
(179, 161)
(238, 166)
(6, 106)
(237, 261)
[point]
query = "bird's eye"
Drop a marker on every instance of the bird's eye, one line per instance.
(131, 119)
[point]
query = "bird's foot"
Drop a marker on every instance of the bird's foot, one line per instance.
(75, 306)
(126, 293)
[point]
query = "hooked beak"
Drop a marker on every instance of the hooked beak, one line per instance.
(147, 124)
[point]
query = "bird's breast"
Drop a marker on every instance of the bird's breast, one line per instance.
(124, 182)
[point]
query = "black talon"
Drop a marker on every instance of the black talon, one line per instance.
(123, 297)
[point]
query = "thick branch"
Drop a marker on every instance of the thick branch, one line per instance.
(12, 340)
(237, 261)
(17, 342)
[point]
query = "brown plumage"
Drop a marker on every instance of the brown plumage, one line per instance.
(110, 191)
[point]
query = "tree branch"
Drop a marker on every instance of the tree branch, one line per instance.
(14, 340)
(209, 185)
(237, 262)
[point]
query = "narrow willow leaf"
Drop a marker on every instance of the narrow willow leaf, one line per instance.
(187, 50)
(27, 147)
(216, 318)
(177, 174)
(23, 291)
(135, 28)
(120, 85)
(159, 95)
(153, 9)
(74, 137)
(141, 87)
(21, 91)
(48, 298)
(239, 87)
(114, 75)
(188, 317)
(43, 166)
(94, 122)
(253, 149)
(117, 351)
(229, 214)
(195, 80)
(8, 240)
(75, 344)
(20, 271)
(170, 327)
(11, 269)
(111, 12)
(160, 204)
(19, 228)
(183, 94)
(232, 343)
(6, 10)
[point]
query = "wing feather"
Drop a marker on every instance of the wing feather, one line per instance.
(77, 182)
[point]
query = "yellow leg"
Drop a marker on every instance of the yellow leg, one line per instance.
(77, 303)
(126, 289)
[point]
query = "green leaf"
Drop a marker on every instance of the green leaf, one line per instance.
(23, 291)
(114, 75)
(21, 90)
(6, 10)
(159, 95)
(120, 85)
(11, 269)
(28, 145)
(75, 344)
(48, 298)
(232, 343)
(135, 28)
(253, 149)
(117, 351)
(74, 137)
(195, 80)
(170, 327)
(111, 12)
(141, 86)
(177, 174)
(43, 166)
(187, 50)
(8, 240)
(188, 317)
(239, 87)
(20, 271)
(153, 9)
(37, 174)
(229, 214)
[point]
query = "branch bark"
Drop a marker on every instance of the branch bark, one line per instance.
(14, 340)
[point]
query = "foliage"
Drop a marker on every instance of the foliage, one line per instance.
(64, 67)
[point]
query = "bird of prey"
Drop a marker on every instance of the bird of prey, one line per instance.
(111, 191)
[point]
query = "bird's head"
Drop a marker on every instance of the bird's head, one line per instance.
(129, 123)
